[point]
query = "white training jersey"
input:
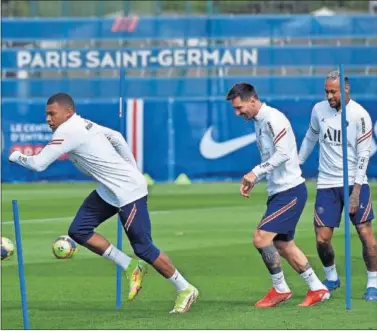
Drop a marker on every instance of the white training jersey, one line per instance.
(99, 152)
(325, 128)
(277, 145)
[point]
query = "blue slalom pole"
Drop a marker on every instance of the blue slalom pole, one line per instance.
(122, 127)
(118, 302)
(347, 239)
(20, 260)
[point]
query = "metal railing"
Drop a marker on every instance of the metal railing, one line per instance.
(65, 8)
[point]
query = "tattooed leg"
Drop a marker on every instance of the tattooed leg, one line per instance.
(326, 253)
(369, 245)
(324, 247)
(263, 241)
(294, 255)
(299, 262)
(271, 258)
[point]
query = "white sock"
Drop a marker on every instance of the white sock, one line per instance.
(279, 283)
(312, 280)
(331, 273)
(114, 254)
(178, 281)
(372, 279)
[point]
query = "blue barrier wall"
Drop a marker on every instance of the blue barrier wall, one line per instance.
(172, 133)
(179, 110)
(203, 29)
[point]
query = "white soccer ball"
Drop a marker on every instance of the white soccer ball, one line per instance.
(64, 247)
(7, 248)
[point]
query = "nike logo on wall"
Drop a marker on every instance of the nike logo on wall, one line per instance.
(211, 149)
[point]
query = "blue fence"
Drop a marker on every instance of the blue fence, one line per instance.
(221, 27)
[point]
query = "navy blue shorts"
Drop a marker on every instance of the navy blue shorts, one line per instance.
(329, 205)
(134, 217)
(283, 212)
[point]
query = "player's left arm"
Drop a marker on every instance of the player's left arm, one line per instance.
(363, 146)
(279, 133)
(58, 146)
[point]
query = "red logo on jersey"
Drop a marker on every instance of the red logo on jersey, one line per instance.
(30, 150)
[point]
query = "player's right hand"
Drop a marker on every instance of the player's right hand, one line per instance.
(14, 156)
(245, 190)
(247, 184)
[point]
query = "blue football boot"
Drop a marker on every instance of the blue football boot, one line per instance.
(370, 294)
(331, 284)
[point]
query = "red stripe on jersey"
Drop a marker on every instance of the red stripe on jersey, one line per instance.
(364, 137)
(277, 213)
(366, 133)
(367, 210)
(56, 142)
(318, 220)
(130, 218)
(279, 136)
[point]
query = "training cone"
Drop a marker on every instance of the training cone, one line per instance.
(149, 180)
(182, 179)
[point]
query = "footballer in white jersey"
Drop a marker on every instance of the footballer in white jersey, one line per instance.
(287, 195)
(104, 155)
(325, 129)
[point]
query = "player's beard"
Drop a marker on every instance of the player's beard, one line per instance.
(246, 116)
(335, 104)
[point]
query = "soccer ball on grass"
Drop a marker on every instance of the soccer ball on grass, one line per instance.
(7, 248)
(64, 247)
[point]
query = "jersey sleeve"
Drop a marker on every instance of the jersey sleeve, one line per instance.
(278, 131)
(363, 146)
(314, 122)
(117, 141)
(61, 143)
(310, 139)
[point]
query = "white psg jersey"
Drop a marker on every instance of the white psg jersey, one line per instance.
(98, 152)
(325, 128)
(278, 149)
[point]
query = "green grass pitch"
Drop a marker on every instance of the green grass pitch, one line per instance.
(207, 231)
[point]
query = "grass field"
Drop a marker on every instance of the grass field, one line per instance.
(207, 231)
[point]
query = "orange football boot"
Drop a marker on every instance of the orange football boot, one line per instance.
(315, 297)
(273, 298)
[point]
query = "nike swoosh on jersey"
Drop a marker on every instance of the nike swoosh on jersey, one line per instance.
(211, 149)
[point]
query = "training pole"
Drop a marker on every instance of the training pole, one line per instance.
(122, 126)
(20, 260)
(347, 236)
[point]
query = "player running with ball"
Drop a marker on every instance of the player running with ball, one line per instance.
(287, 195)
(325, 128)
(104, 155)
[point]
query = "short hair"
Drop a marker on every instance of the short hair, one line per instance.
(243, 90)
(335, 75)
(63, 99)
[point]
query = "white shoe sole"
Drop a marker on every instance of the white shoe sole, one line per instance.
(193, 297)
